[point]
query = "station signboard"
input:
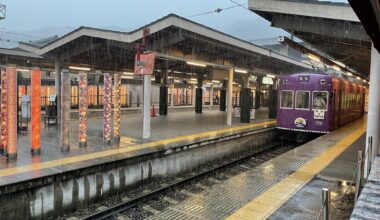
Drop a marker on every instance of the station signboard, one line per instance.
(145, 65)
(267, 81)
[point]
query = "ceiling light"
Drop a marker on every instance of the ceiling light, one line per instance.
(349, 74)
(337, 68)
(79, 68)
(271, 76)
(215, 81)
(128, 73)
(127, 77)
(364, 80)
(193, 79)
(315, 58)
(23, 70)
(177, 81)
(196, 63)
(241, 71)
(358, 78)
(177, 72)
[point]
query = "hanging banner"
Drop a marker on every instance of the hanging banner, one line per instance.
(107, 109)
(146, 64)
(11, 113)
(36, 110)
(83, 109)
(3, 107)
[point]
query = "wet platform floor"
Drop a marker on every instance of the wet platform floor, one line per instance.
(176, 128)
(260, 192)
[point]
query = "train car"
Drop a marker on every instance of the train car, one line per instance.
(310, 102)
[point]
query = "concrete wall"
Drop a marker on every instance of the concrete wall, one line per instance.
(54, 199)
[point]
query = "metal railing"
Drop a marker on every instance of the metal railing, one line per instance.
(358, 173)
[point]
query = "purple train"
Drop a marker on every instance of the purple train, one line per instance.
(318, 103)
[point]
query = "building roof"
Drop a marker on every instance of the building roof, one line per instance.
(171, 32)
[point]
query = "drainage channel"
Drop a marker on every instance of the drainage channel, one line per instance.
(151, 198)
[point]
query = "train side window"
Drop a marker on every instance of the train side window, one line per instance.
(302, 100)
(320, 100)
(286, 99)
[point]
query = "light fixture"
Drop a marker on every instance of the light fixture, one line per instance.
(215, 81)
(271, 76)
(241, 71)
(127, 77)
(128, 73)
(177, 81)
(152, 79)
(364, 80)
(358, 78)
(337, 68)
(23, 70)
(193, 79)
(313, 57)
(79, 68)
(178, 72)
(349, 74)
(196, 64)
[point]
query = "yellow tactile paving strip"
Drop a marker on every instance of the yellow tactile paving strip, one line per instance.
(125, 147)
(269, 201)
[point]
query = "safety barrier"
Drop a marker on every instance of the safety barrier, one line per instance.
(359, 174)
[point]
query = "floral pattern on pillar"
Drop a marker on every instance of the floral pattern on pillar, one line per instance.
(83, 97)
(107, 109)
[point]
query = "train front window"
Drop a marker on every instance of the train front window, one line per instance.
(320, 100)
(302, 100)
(286, 99)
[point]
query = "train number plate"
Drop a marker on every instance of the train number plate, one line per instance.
(319, 114)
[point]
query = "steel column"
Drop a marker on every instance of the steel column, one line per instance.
(229, 95)
(58, 87)
(373, 122)
(146, 106)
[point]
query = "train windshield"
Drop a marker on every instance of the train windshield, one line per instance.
(286, 99)
(302, 100)
(320, 100)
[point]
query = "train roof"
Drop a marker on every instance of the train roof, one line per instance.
(316, 76)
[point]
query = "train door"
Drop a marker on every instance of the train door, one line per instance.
(337, 107)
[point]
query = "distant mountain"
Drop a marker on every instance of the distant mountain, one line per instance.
(252, 29)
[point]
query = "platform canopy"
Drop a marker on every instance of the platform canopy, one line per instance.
(330, 27)
(176, 41)
(369, 15)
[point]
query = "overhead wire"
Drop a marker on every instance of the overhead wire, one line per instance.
(218, 10)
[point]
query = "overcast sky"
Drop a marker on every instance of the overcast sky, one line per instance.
(41, 18)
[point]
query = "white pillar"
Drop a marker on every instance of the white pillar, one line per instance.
(58, 87)
(373, 106)
(172, 95)
(229, 95)
(212, 95)
(146, 106)
(194, 94)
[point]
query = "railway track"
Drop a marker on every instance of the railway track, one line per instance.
(149, 199)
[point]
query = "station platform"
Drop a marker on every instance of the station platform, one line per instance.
(280, 187)
(176, 129)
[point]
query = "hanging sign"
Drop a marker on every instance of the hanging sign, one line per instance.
(145, 65)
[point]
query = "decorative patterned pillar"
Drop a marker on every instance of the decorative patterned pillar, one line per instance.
(65, 110)
(11, 113)
(83, 100)
(3, 125)
(116, 107)
(107, 109)
(36, 110)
